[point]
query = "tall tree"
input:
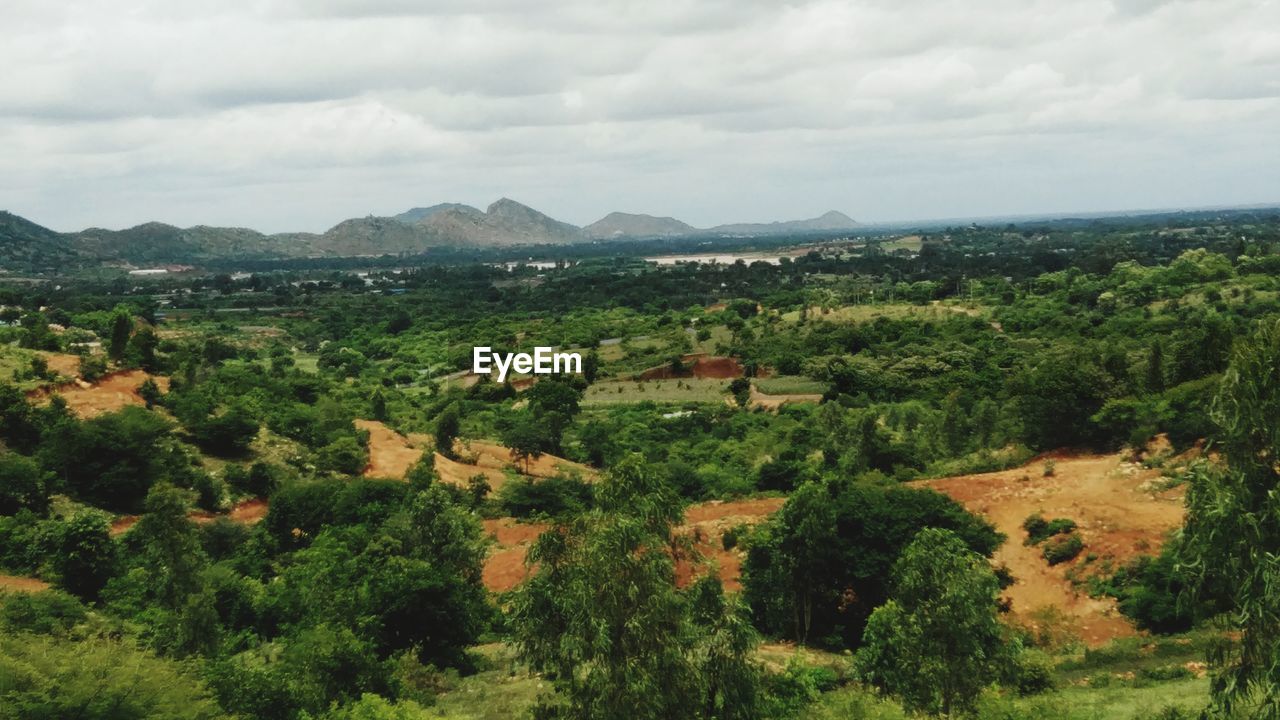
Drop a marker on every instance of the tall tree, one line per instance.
(604, 618)
(1232, 531)
(121, 326)
(938, 642)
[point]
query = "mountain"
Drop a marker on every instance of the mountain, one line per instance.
(418, 214)
(156, 242)
(25, 245)
(620, 224)
(830, 220)
(505, 222)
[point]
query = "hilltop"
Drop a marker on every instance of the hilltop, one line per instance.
(28, 246)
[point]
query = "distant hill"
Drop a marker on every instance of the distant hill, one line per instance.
(831, 220)
(418, 214)
(619, 224)
(24, 245)
(505, 222)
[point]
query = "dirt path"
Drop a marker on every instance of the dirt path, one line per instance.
(245, 512)
(16, 583)
(773, 402)
(1118, 517)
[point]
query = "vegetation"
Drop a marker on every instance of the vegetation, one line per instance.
(193, 535)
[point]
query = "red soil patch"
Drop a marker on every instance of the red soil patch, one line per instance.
(62, 363)
(115, 391)
(245, 512)
(15, 583)
(705, 524)
(697, 365)
(773, 402)
(390, 453)
(1118, 518)
(504, 569)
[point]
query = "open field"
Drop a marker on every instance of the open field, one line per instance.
(1110, 499)
(18, 584)
(686, 390)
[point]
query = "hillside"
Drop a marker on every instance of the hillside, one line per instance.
(620, 224)
(831, 220)
(25, 245)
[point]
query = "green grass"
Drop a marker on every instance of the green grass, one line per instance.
(790, 385)
(685, 390)
(502, 689)
(14, 358)
(892, 311)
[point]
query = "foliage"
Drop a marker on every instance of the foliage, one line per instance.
(937, 643)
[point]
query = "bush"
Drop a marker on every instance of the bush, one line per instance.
(1032, 673)
(1063, 548)
(552, 497)
(1038, 529)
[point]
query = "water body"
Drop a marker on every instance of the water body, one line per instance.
(717, 259)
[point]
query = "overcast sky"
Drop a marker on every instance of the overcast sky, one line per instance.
(292, 115)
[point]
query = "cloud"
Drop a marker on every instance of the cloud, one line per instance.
(293, 114)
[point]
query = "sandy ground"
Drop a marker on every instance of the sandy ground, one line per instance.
(115, 391)
(390, 453)
(773, 402)
(705, 523)
(15, 583)
(1118, 517)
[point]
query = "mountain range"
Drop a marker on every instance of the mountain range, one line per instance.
(24, 244)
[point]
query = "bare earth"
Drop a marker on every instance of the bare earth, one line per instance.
(705, 523)
(1118, 518)
(115, 391)
(390, 453)
(773, 402)
(15, 583)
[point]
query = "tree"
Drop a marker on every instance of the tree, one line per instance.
(169, 544)
(821, 565)
(1155, 368)
(1231, 534)
(22, 485)
(121, 326)
(378, 405)
(447, 425)
(85, 558)
(938, 642)
(603, 617)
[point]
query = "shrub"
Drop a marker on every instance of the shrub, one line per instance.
(1063, 548)
(1038, 529)
(1032, 673)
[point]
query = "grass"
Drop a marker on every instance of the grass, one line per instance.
(790, 385)
(892, 311)
(14, 358)
(684, 390)
(502, 689)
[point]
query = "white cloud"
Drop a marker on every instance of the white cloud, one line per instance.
(296, 113)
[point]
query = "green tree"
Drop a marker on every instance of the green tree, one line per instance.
(23, 484)
(86, 556)
(938, 642)
(169, 544)
(1155, 368)
(121, 327)
(447, 425)
(1232, 528)
(604, 618)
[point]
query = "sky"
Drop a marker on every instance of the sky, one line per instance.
(295, 114)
